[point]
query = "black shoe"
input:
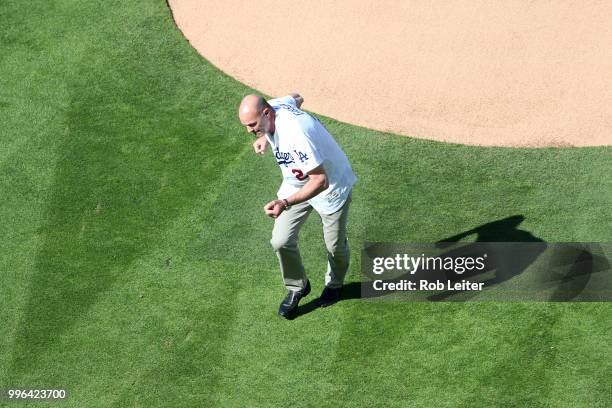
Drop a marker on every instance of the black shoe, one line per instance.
(329, 296)
(289, 305)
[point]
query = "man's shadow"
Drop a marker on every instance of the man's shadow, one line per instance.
(568, 283)
(499, 269)
(504, 230)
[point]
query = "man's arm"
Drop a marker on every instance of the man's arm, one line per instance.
(317, 182)
(298, 99)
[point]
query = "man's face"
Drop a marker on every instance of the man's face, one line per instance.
(258, 124)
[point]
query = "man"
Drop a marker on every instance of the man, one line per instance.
(316, 174)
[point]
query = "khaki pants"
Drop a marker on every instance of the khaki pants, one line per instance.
(285, 243)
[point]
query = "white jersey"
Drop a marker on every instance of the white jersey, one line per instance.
(300, 143)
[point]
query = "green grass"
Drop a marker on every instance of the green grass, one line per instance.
(136, 266)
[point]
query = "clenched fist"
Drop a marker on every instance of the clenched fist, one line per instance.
(274, 208)
(260, 145)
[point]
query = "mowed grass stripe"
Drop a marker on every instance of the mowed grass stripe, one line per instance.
(33, 99)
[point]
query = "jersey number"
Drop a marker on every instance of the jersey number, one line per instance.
(299, 175)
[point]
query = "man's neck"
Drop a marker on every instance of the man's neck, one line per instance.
(273, 123)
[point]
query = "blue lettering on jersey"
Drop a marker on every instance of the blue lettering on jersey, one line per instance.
(302, 156)
(283, 158)
(291, 109)
(287, 158)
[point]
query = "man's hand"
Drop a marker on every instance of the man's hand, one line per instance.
(298, 99)
(260, 145)
(274, 208)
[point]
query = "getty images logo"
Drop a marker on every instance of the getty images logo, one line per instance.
(412, 264)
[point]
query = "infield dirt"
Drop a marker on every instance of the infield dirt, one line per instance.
(510, 73)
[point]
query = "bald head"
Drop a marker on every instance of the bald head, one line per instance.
(256, 114)
(251, 105)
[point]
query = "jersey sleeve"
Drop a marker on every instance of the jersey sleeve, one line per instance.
(283, 100)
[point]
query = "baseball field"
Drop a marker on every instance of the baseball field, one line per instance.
(136, 269)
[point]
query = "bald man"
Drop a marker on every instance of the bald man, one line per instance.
(316, 175)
